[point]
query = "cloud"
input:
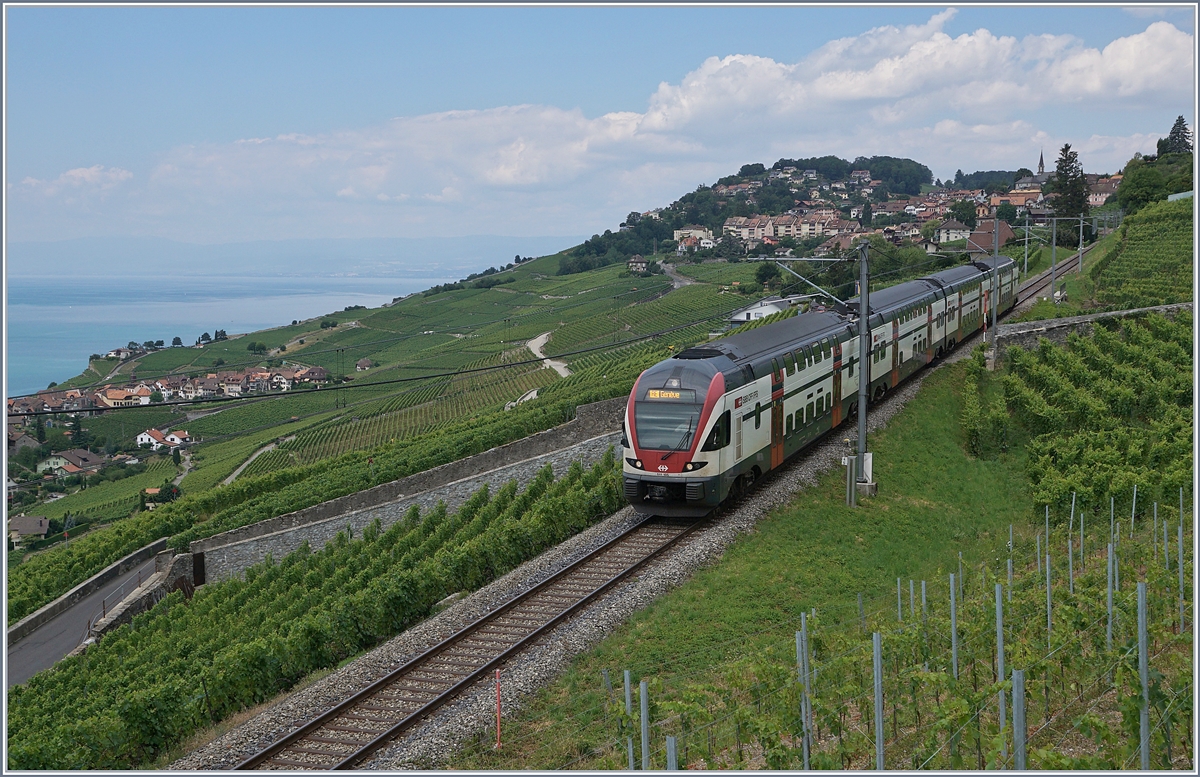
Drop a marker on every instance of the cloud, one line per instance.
(80, 180)
(976, 100)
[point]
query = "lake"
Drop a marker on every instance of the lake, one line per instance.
(54, 324)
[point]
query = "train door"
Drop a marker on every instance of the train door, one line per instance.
(776, 414)
(929, 333)
(837, 382)
(895, 352)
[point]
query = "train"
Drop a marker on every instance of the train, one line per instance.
(704, 424)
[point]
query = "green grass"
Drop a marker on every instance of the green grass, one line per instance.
(934, 501)
(213, 462)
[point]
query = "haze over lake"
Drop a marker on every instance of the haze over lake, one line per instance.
(70, 299)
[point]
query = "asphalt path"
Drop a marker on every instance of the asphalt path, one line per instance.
(54, 639)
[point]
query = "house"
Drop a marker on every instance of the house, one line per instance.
(19, 440)
(1100, 191)
(312, 375)
(707, 242)
(362, 365)
(952, 230)
(692, 230)
(687, 244)
(111, 397)
(762, 308)
(983, 210)
(33, 527)
(72, 462)
(981, 240)
(178, 437)
(636, 264)
(119, 353)
(152, 437)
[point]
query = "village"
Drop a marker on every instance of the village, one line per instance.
(841, 211)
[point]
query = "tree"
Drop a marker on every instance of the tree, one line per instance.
(1179, 141)
(767, 273)
(1071, 190)
(1022, 172)
(995, 187)
(751, 169)
(1007, 212)
(156, 396)
(958, 176)
(148, 345)
(257, 347)
(205, 338)
(39, 429)
(1141, 185)
(132, 345)
(964, 211)
(865, 217)
(175, 457)
(177, 342)
(219, 334)
(930, 228)
(158, 344)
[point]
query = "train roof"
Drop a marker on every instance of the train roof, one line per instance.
(747, 346)
(896, 296)
(955, 275)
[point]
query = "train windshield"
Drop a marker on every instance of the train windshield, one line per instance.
(670, 396)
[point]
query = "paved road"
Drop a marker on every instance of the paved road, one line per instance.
(678, 281)
(53, 640)
(537, 344)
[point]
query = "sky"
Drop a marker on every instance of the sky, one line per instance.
(221, 124)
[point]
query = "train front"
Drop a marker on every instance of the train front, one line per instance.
(673, 438)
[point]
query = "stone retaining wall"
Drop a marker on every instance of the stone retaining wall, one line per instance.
(1027, 334)
(170, 571)
(233, 558)
(590, 420)
(29, 623)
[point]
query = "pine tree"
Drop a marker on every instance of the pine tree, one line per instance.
(1179, 141)
(1071, 189)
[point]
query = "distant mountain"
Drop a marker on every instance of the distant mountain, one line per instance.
(383, 257)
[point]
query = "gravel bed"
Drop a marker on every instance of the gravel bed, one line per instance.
(429, 744)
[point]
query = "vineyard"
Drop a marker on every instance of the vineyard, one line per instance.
(1152, 264)
(811, 702)
(112, 499)
(1109, 411)
(721, 664)
(186, 664)
(201, 513)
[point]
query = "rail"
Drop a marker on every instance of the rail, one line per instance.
(344, 735)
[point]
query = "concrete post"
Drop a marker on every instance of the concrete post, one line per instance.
(644, 700)
(878, 661)
(1018, 680)
(953, 629)
(1144, 674)
(1000, 669)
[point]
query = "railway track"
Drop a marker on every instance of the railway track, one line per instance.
(1040, 283)
(368, 720)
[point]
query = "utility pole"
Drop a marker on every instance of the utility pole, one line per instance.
(995, 280)
(1026, 270)
(864, 370)
(1079, 268)
(1053, 254)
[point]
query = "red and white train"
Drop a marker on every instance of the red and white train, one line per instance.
(707, 422)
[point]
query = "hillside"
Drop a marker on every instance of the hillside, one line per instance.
(1153, 261)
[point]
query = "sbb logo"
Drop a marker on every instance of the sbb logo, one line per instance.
(662, 467)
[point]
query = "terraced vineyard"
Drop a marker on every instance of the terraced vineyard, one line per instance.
(113, 499)
(1152, 263)
(147, 686)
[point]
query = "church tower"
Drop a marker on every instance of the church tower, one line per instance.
(1041, 163)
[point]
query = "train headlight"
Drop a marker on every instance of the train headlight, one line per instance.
(694, 465)
(635, 463)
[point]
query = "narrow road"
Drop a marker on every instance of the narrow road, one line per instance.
(253, 456)
(678, 280)
(50, 642)
(537, 344)
(187, 467)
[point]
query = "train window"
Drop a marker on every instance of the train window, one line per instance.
(748, 373)
(776, 372)
(787, 429)
(718, 438)
(850, 367)
(816, 352)
(809, 411)
(826, 348)
(799, 418)
(790, 362)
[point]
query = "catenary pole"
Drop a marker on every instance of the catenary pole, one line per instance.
(864, 369)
